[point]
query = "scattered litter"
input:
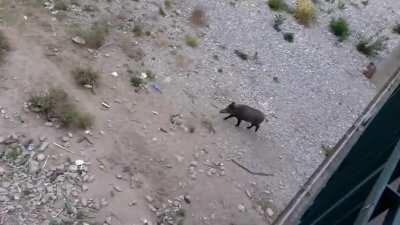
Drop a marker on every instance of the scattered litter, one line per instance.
(117, 188)
(105, 105)
(63, 148)
(143, 75)
(157, 88)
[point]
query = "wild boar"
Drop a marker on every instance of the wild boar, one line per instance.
(243, 112)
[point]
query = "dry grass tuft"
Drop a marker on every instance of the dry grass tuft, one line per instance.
(305, 12)
(55, 105)
(85, 77)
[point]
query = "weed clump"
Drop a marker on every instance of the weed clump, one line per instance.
(278, 21)
(371, 47)
(137, 81)
(60, 5)
(191, 41)
(4, 45)
(55, 105)
(305, 12)
(138, 30)
(289, 37)
(340, 28)
(278, 5)
(85, 77)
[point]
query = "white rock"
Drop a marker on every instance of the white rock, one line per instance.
(241, 208)
(40, 157)
(114, 74)
(270, 212)
(79, 40)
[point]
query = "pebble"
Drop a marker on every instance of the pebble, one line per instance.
(40, 157)
(119, 176)
(65, 139)
(241, 208)
(2, 171)
(48, 124)
(270, 212)
(149, 199)
(117, 188)
(103, 202)
(132, 203)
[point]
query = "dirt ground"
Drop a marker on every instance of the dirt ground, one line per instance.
(134, 140)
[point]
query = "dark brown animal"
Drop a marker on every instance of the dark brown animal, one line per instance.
(243, 112)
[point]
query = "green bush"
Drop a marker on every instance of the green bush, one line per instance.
(278, 5)
(339, 28)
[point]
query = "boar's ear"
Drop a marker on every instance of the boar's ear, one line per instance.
(232, 104)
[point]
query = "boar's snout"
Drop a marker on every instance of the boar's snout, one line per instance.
(223, 111)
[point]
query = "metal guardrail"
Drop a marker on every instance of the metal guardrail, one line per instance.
(303, 199)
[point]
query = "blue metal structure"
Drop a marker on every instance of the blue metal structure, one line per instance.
(364, 186)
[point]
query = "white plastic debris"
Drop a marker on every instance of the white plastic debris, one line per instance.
(114, 74)
(143, 75)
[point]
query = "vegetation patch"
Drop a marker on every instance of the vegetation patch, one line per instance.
(371, 47)
(191, 41)
(305, 12)
(55, 105)
(289, 37)
(139, 80)
(278, 5)
(138, 30)
(60, 5)
(94, 37)
(339, 28)
(5, 46)
(86, 77)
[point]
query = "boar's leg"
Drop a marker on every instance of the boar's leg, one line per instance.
(252, 125)
(230, 116)
(238, 122)
(257, 126)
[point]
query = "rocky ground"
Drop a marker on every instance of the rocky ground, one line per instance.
(160, 153)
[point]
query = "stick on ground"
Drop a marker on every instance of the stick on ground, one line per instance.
(249, 171)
